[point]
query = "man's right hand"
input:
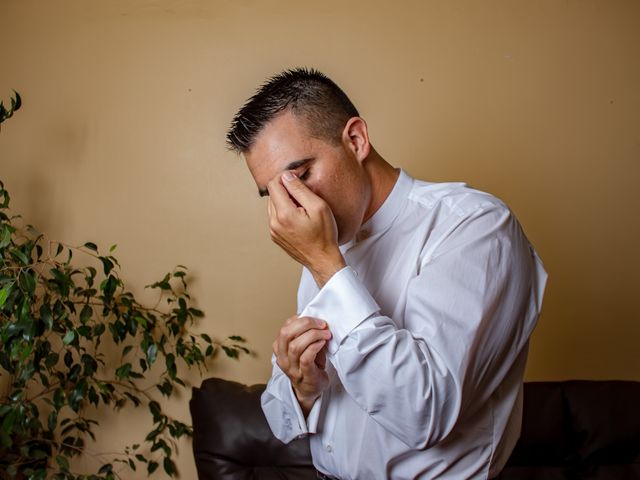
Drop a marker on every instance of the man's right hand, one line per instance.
(299, 351)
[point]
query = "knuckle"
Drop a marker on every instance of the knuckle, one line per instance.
(283, 218)
(305, 361)
(283, 334)
(294, 349)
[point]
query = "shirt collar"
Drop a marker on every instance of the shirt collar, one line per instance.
(386, 214)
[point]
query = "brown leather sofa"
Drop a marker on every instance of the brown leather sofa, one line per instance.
(571, 430)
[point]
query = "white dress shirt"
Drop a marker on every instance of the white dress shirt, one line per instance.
(431, 322)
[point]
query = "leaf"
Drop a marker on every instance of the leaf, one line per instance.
(8, 421)
(152, 353)
(133, 398)
(86, 313)
(123, 372)
(15, 105)
(51, 360)
(46, 316)
(53, 420)
(141, 321)
(19, 256)
(5, 237)
(91, 246)
(63, 462)
(112, 248)
(152, 467)
(28, 281)
(4, 293)
(169, 466)
(107, 265)
(170, 360)
(230, 352)
(69, 337)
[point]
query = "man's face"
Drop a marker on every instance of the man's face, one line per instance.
(330, 171)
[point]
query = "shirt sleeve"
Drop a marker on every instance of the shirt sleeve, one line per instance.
(282, 410)
(469, 312)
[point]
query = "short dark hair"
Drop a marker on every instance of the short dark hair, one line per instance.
(307, 92)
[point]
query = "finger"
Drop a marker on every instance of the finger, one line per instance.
(280, 200)
(299, 344)
(299, 191)
(289, 361)
(293, 328)
(308, 359)
(321, 358)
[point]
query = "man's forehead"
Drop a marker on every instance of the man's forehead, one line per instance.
(283, 144)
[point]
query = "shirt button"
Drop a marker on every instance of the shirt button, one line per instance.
(329, 448)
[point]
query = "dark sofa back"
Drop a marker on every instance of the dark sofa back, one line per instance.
(578, 429)
(571, 430)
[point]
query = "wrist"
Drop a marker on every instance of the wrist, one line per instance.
(305, 402)
(327, 268)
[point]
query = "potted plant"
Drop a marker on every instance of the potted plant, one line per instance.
(72, 336)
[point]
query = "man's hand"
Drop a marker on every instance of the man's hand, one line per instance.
(299, 351)
(302, 224)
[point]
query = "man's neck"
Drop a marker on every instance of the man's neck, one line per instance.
(383, 178)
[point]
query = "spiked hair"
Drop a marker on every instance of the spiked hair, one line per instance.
(308, 93)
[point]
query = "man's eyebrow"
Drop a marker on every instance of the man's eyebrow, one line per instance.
(263, 192)
(298, 163)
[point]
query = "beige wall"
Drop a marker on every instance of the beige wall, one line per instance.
(121, 140)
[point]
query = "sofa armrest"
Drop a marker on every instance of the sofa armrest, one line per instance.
(232, 440)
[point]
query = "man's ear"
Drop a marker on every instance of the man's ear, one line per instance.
(355, 137)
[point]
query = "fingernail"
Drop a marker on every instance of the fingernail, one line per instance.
(321, 323)
(288, 176)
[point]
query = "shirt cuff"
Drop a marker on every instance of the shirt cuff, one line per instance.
(343, 303)
(310, 424)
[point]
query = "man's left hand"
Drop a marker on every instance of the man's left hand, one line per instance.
(302, 224)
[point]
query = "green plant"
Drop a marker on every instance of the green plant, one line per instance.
(74, 339)
(16, 103)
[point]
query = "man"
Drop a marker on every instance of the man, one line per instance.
(415, 305)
